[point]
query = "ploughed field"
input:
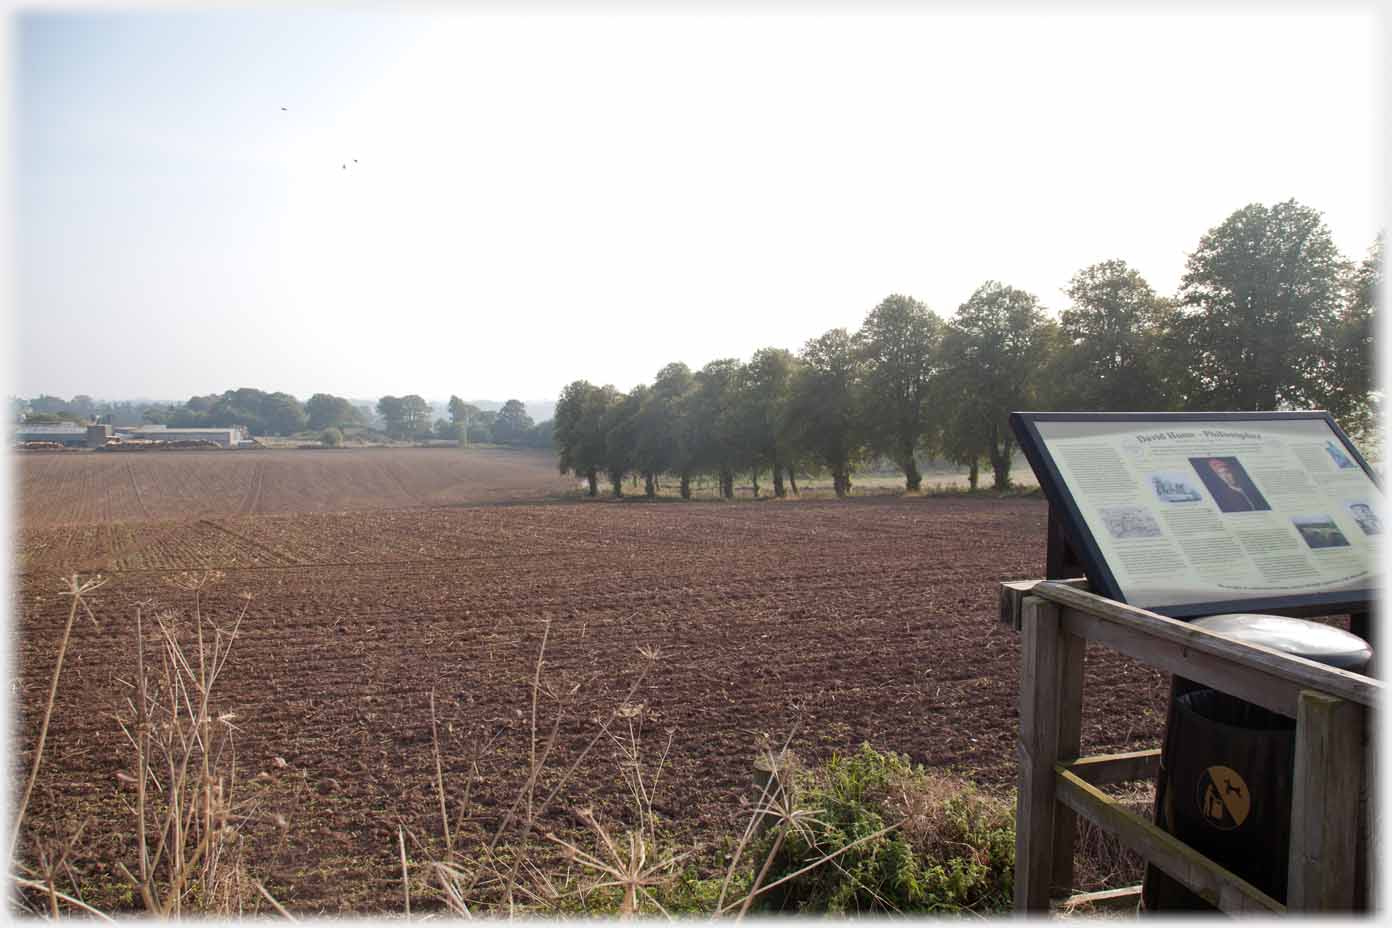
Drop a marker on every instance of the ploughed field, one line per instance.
(873, 619)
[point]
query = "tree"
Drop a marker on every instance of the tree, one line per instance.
(1262, 295)
(405, 416)
(763, 398)
(393, 416)
(325, 411)
(540, 435)
(82, 406)
(900, 343)
(415, 413)
(665, 438)
(619, 424)
(283, 414)
(462, 414)
(512, 424)
(578, 432)
(1349, 395)
(50, 404)
(827, 403)
(992, 355)
(481, 426)
(1113, 347)
(715, 442)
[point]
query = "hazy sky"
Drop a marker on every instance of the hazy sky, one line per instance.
(533, 199)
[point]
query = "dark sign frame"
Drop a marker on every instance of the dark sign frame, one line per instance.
(1069, 528)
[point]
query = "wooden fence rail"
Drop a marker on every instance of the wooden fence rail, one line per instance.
(1332, 761)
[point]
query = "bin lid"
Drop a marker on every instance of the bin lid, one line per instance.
(1314, 641)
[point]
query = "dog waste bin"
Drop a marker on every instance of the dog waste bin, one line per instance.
(1227, 766)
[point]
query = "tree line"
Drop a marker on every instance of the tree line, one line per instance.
(1268, 316)
(406, 418)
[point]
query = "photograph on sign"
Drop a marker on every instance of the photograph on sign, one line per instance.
(1191, 511)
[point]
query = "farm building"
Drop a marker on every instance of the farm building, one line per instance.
(72, 435)
(229, 437)
(95, 436)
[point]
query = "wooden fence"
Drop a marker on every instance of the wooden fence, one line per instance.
(1333, 759)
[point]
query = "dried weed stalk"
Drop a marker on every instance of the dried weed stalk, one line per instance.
(188, 819)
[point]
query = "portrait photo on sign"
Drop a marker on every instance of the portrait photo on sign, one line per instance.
(1227, 482)
(1364, 515)
(1319, 531)
(1175, 487)
(1129, 522)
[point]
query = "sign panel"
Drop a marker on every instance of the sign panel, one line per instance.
(1198, 513)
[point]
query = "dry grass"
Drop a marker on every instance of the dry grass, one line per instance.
(1100, 861)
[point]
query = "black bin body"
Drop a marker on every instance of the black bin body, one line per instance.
(1227, 767)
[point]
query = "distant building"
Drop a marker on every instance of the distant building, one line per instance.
(66, 434)
(96, 436)
(229, 437)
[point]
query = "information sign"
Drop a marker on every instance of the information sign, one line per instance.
(1191, 514)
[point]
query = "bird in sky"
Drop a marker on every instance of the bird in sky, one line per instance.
(282, 109)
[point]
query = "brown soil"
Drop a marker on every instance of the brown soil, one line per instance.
(95, 488)
(866, 620)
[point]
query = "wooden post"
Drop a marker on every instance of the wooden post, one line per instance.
(1060, 560)
(1324, 803)
(1070, 742)
(1041, 664)
(1370, 824)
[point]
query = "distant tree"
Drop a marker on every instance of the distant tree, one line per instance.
(578, 434)
(652, 445)
(393, 415)
(283, 414)
(18, 407)
(540, 435)
(1262, 297)
(445, 430)
(620, 427)
(512, 423)
(1112, 354)
(83, 406)
(243, 406)
(714, 433)
(325, 410)
(405, 416)
(462, 414)
(415, 414)
(665, 439)
(45, 403)
(1349, 391)
(121, 413)
(828, 402)
(156, 415)
(481, 426)
(992, 352)
(962, 440)
(763, 399)
(900, 341)
(331, 438)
